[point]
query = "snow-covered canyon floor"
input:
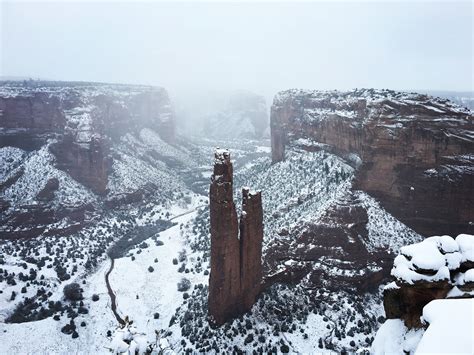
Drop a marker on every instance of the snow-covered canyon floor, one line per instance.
(141, 294)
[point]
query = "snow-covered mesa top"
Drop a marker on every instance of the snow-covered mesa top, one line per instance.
(433, 259)
(361, 106)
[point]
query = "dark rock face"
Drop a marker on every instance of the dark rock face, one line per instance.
(407, 302)
(47, 193)
(415, 151)
(236, 270)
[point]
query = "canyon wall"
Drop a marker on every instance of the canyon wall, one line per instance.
(51, 127)
(414, 153)
(82, 119)
(236, 267)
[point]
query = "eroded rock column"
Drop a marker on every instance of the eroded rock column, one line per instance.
(224, 280)
(236, 266)
(251, 238)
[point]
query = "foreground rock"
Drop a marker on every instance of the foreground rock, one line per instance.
(438, 267)
(236, 268)
(413, 152)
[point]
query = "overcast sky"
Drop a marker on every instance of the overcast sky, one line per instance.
(263, 47)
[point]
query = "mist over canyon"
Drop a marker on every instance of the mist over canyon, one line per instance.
(236, 177)
(101, 179)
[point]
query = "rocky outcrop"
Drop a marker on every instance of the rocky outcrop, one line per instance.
(47, 192)
(413, 152)
(438, 267)
(331, 252)
(236, 269)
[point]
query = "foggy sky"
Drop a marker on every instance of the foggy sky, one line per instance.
(263, 47)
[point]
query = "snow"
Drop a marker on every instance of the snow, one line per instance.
(424, 255)
(392, 285)
(439, 254)
(394, 338)
(451, 327)
(455, 292)
(466, 246)
(385, 231)
(464, 277)
(469, 276)
(402, 270)
(30, 182)
(360, 106)
(264, 149)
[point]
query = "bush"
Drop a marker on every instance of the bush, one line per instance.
(284, 349)
(95, 297)
(184, 285)
(73, 292)
(150, 269)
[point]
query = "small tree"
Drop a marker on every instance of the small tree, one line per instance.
(184, 285)
(73, 292)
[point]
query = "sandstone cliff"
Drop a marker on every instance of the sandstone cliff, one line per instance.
(236, 267)
(413, 152)
(72, 134)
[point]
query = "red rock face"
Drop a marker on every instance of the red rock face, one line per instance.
(251, 238)
(416, 151)
(81, 122)
(224, 280)
(236, 269)
(37, 111)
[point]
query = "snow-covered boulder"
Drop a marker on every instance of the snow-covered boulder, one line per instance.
(438, 267)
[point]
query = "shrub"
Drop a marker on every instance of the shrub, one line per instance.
(73, 292)
(95, 297)
(184, 285)
(284, 349)
(150, 269)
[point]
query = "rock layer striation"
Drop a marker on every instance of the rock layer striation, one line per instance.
(414, 153)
